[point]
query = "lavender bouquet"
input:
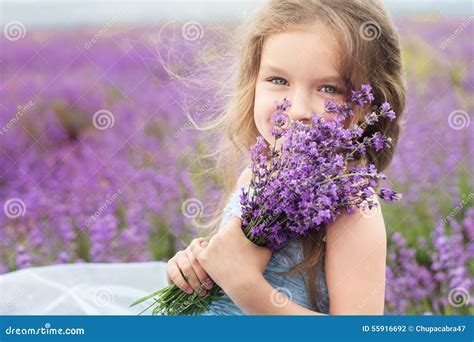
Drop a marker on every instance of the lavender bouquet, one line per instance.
(303, 182)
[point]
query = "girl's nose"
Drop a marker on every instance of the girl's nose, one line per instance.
(300, 109)
(303, 116)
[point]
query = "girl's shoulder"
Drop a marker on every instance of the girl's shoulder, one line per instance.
(367, 224)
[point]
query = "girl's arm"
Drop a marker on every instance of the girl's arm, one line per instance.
(356, 263)
(257, 297)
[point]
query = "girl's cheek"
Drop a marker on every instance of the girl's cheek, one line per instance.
(263, 117)
(263, 111)
(329, 116)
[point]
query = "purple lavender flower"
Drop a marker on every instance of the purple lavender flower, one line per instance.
(389, 195)
(345, 109)
(363, 97)
(386, 111)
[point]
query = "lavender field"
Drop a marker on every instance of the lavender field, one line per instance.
(98, 162)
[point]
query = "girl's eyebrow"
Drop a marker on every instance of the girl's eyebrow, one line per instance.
(328, 78)
(269, 67)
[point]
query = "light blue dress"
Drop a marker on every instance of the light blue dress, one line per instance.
(292, 287)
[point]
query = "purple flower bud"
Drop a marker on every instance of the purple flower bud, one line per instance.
(364, 96)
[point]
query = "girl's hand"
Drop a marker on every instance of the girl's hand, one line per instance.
(185, 263)
(230, 258)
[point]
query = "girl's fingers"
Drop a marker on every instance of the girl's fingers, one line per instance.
(204, 280)
(185, 266)
(198, 240)
(177, 278)
(198, 245)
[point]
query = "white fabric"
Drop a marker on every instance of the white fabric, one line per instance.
(80, 289)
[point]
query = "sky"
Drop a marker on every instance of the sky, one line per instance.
(63, 13)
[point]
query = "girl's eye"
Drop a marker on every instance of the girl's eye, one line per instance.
(278, 80)
(330, 89)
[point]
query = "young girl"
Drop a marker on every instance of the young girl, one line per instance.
(306, 51)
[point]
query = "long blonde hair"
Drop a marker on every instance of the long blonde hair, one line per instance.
(371, 54)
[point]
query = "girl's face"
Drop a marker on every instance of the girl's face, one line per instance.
(300, 64)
